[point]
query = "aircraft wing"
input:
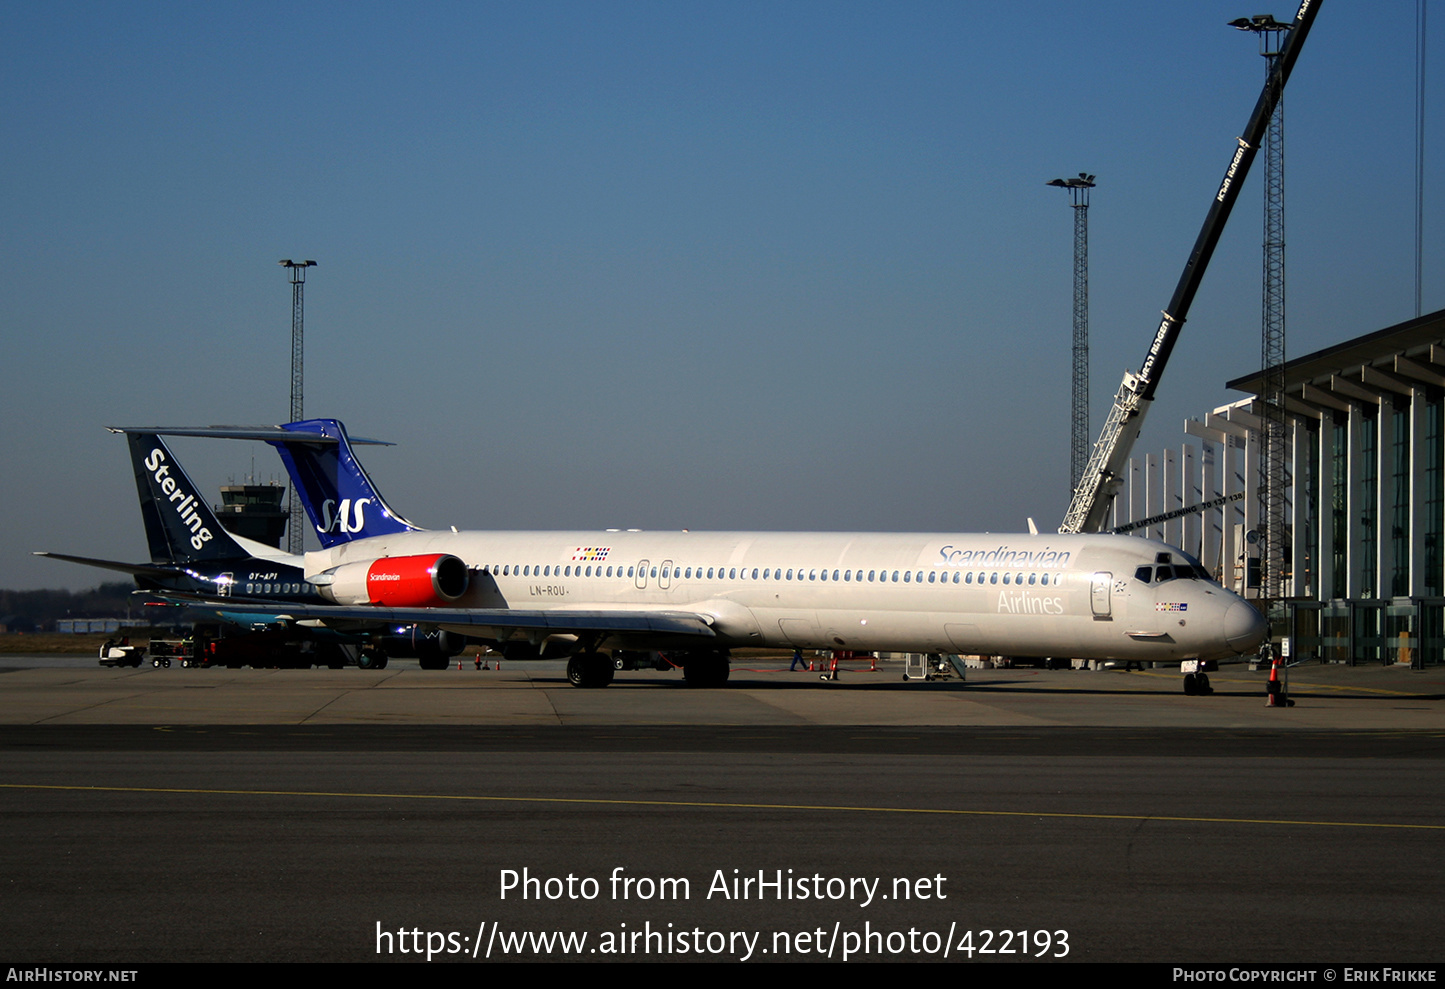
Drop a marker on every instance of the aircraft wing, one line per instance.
(134, 569)
(482, 622)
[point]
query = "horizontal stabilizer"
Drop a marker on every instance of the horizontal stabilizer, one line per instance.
(266, 434)
(134, 569)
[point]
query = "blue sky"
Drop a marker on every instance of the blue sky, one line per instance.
(663, 265)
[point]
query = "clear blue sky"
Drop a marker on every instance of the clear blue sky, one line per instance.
(665, 265)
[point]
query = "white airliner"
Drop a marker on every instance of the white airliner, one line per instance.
(700, 594)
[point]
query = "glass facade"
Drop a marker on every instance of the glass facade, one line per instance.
(1369, 505)
(1434, 494)
(1400, 509)
(1340, 508)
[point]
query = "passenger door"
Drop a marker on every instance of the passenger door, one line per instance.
(1100, 597)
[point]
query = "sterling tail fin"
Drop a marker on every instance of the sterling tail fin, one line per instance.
(180, 526)
(339, 498)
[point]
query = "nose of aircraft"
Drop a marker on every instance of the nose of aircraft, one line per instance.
(1244, 627)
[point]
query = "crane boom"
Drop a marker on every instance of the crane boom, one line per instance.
(1103, 475)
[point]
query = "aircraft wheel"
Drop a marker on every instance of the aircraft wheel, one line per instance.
(618, 664)
(589, 669)
(707, 669)
(1191, 684)
(604, 667)
(1201, 684)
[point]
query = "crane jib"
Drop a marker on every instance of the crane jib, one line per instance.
(1101, 477)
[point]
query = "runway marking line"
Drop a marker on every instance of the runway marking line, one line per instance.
(721, 805)
(1301, 686)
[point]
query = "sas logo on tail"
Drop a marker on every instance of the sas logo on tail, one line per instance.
(181, 503)
(351, 519)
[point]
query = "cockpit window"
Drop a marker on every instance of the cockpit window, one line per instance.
(1143, 574)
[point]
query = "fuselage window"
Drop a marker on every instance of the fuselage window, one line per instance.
(968, 578)
(732, 574)
(847, 575)
(907, 576)
(932, 577)
(993, 578)
(895, 576)
(812, 575)
(871, 575)
(824, 576)
(1005, 578)
(755, 573)
(956, 575)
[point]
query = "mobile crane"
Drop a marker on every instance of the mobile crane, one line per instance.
(1104, 473)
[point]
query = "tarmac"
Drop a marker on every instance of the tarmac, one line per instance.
(75, 691)
(161, 815)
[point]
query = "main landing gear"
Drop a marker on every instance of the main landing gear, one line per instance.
(589, 669)
(705, 668)
(700, 668)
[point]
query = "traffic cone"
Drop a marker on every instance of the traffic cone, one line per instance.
(1274, 690)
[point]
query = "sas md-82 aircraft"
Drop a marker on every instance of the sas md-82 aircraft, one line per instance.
(700, 594)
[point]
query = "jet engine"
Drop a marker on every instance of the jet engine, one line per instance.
(428, 581)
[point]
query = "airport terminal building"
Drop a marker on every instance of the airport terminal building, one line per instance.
(1365, 496)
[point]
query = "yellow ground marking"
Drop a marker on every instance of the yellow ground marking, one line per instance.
(717, 804)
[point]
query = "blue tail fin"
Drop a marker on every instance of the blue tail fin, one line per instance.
(180, 526)
(339, 498)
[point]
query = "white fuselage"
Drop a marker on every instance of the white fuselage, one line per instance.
(1010, 594)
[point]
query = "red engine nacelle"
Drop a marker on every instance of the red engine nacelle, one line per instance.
(431, 580)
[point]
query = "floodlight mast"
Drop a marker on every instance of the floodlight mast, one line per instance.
(1105, 471)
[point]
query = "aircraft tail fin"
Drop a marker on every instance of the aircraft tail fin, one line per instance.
(180, 526)
(340, 499)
